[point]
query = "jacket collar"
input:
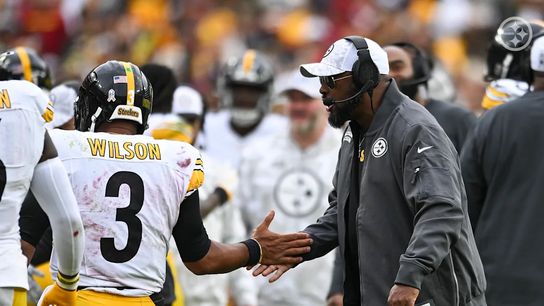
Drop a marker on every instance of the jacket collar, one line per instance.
(392, 98)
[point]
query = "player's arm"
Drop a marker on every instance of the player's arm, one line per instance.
(51, 187)
(33, 222)
(204, 256)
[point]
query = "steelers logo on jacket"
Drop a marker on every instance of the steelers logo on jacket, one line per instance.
(379, 148)
(298, 192)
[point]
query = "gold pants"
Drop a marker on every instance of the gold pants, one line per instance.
(92, 298)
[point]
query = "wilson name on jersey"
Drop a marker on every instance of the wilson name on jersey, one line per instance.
(24, 108)
(129, 189)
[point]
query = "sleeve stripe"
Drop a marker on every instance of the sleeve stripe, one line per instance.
(49, 112)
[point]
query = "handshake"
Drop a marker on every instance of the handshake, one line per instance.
(267, 252)
(277, 252)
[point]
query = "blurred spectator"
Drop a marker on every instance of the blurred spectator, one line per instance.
(193, 37)
(412, 69)
(164, 84)
(290, 171)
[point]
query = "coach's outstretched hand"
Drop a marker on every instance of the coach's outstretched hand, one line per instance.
(265, 270)
(279, 249)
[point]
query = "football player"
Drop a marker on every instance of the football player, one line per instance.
(24, 63)
(222, 219)
(244, 88)
(504, 71)
(63, 97)
(28, 160)
(135, 192)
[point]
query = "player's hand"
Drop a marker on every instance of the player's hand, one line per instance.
(55, 295)
(279, 249)
(266, 270)
(401, 295)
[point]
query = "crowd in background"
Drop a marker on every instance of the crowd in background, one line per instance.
(193, 37)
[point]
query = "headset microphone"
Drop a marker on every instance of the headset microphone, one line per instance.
(331, 101)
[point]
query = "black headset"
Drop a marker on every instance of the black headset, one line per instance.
(421, 63)
(365, 72)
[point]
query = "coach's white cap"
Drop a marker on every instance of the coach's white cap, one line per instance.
(340, 58)
(63, 98)
(295, 81)
(187, 101)
(537, 54)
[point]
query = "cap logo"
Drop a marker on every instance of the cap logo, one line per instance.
(514, 34)
(328, 51)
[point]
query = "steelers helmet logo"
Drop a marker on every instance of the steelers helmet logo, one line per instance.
(298, 193)
(514, 34)
(379, 148)
(328, 51)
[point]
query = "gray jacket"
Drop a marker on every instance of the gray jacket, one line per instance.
(412, 221)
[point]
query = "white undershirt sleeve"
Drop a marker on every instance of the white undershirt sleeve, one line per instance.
(51, 187)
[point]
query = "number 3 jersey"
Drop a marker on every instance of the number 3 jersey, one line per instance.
(24, 109)
(129, 190)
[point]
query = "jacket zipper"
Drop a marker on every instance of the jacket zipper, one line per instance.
(416, 171)
(455, 280)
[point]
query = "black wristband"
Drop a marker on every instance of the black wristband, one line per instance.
(222, 194)
(254, 252)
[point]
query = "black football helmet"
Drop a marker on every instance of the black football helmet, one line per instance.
(505, 64)
(113, 91)
(23, 63)
(251, 70)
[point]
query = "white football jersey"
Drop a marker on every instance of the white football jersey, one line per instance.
(276, 174)
(223, 224)
(225, 145)
(129, 189)
(24, 108)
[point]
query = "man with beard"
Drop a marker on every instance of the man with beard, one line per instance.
(290, 172)
(411, 68)
(398, 208)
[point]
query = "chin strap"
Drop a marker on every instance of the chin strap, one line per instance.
(93, 119)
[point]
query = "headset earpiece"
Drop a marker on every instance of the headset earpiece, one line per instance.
(364, 70)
